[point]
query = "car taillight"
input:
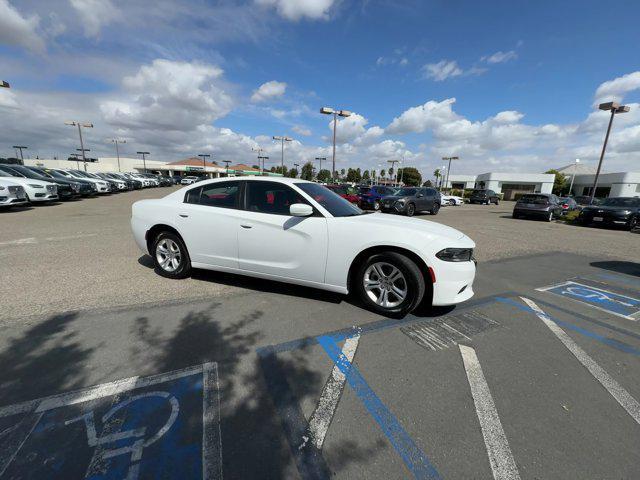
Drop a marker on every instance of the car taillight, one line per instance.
(565, 206)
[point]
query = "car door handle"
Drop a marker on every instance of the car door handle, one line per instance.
(184, 215)
(244, 225)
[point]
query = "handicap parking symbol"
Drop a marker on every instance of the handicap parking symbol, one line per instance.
(165, 426)
(610, 302)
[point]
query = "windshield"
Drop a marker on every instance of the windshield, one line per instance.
(41, 172)
(8, 173)
(621, 202)
(332, 202)
(406, 192)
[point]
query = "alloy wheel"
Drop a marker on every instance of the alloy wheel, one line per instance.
(376, 205)
(168, 255)
(385, 284)
(411, 209)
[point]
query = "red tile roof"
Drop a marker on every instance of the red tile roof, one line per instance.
(242, 166)
(194, 162)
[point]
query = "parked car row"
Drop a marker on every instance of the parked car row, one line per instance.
(20, 184)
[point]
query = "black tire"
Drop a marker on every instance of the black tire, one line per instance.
(415, 283)
(411, 210)
(183, 270)
(634, 223)
(434, 210)
(497, 202)
(549, 217)
(376, 205)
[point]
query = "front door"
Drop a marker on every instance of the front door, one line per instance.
(273, 242)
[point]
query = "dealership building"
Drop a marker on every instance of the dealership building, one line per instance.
(509, 184)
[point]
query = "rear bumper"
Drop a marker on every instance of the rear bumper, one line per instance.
(454, 282)
(607, 219)
(529, 212)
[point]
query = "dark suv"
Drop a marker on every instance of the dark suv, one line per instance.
(484, 197)
(409, 200)
(622, 211)
(540, 205)
(370, 196)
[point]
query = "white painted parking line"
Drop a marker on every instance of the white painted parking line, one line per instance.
(211, 436)
(501, 460)
(33, 240)
(326, 409)
(618, 392)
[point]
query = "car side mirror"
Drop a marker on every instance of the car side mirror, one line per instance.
(301, 210)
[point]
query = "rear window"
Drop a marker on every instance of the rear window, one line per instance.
(621, 202)
(537, 199)
(224, 195)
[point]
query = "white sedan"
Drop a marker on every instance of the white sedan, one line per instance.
(295, 231)
(11, 193)
(451, 200)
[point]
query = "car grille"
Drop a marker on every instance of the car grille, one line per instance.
(52, 189)
(16, 189)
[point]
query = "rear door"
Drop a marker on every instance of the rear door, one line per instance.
(208, 221)
(273, 242)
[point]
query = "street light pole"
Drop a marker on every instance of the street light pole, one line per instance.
(614, 107)
(446, 183)
(79, 125)
(116, 141)
(259, 150)
(203, 156)
(393, 163)
(575, 168)
(144, 159)
(296, 165)
(282, 140)
(336, 113)
(226, 163)
(21, 147)
(320, 159)
(263, 158)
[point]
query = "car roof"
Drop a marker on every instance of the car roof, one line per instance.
(257, 179)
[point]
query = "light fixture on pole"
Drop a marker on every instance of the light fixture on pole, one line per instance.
(446, 184)
(336, 114)
(393, 163)
(575, 168)
(226, 163)
(4, 84)
(116, 142)
(144, 159)
(204, 156)
(615, 108)
(282, 140)
(79, 125)
(21, 147)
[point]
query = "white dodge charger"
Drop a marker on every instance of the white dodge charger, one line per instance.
(300, 232)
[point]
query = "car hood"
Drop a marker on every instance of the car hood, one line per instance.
(381, 220)
(394, 197)
(26, 181)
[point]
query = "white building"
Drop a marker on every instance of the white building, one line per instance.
(621, 184)
(506, 183)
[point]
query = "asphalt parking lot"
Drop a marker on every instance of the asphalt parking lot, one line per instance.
(536, 377)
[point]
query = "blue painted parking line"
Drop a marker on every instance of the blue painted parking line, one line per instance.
(165, 426)
(604, 300)
(415, 460)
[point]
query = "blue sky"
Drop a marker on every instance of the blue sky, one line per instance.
(506, 86)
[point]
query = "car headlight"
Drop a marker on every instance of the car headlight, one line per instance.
(36, 186)
(400, 202)
(455, 254)
(625, 212)
(76, 187)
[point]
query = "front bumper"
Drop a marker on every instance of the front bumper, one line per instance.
(454, 282)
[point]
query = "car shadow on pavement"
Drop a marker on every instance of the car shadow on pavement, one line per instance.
(628, 268)
(254, 444)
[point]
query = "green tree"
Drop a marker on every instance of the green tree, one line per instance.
(343, 172)
(307, 171)
(428, 183)
(382, 172)
(559, 183)
(293, 173)
(391, 172)
(324, 175)
(365, 175)
(410, 176)
(257, 167)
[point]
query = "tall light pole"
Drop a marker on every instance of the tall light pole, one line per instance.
(320, 159)
(614, 107)
(226, 163)
(80, 125)
(296, 165)
(262, 158)
(21, 147)
(282, 140)
(204, 156)
(144, 159)
(116, 141)
(336, 114)
(575, 168)
(446, 184)
(393, 163)
(259, 150)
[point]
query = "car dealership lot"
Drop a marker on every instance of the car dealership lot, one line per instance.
(82, 308)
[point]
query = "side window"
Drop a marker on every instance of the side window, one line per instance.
(430, 192)
(222, 194)
(271, 197)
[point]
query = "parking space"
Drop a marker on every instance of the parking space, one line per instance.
(110, 371)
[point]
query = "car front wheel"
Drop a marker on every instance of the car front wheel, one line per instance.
(634, 223)
(411, 210)
(376, 205)
(170, 256)
(390, 284)
(434, 210)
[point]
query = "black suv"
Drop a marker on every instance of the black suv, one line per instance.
(622, 211)
(484, 197)
(409, 200)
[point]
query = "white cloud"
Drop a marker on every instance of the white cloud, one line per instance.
(269, 91)
(442, 70)
(500, 57)
(423, 117)
(353, 129)
(95, 14)
(16, 29)
(509, 116)
(614, 90)
(298, 9)
(300, 130)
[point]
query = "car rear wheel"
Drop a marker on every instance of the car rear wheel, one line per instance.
(170, 256)
(634, 223)
(434, 210)
(390, 283)
(550, 217)
(411, 209)
(376, 205)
